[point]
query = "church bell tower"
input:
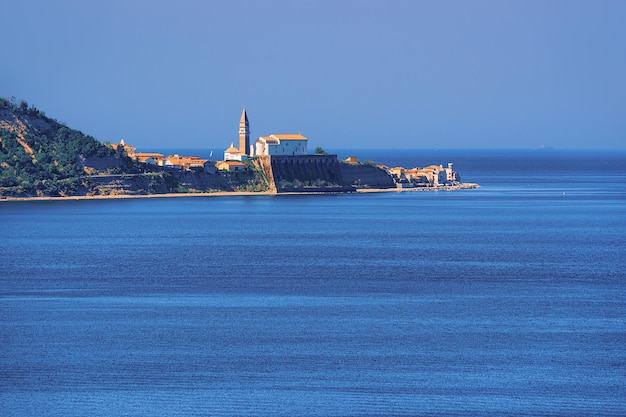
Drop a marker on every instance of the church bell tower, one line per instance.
(244, 134)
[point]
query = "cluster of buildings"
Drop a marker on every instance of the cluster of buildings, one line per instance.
(234, 157)
(286, 145)
(430, 176)
(176, 161)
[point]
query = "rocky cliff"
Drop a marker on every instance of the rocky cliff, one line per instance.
(365, 176)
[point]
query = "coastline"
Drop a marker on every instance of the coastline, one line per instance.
(234, 194)
(462, 186)
(134, 196)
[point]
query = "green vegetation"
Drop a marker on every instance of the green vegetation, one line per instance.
(249, 180)
(255, 179)
(39, 155)
(320, 151)
(181, 189)
(316, 183)
(22, 107)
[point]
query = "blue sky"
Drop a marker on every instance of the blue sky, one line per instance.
(346, 74)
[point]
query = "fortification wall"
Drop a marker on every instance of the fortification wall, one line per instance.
(302, 172)
(319, 173)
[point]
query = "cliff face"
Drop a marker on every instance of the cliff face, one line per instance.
(161, 182)
(250, 180)
(156, 183)
(365, 176)
(263, 166)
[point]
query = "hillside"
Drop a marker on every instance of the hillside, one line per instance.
(40, 156)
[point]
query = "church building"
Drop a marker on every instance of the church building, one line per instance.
(277, 144)
(281, 144)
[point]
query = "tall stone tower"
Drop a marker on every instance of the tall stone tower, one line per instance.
(244, 134)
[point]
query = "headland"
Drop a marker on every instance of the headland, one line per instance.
(42, 159)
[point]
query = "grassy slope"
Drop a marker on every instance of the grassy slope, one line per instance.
(40, 156)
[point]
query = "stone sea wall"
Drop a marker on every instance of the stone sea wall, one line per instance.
(321, 173)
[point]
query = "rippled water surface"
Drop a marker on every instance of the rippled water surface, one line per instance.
(506, 300)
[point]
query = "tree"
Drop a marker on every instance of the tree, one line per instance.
(320, 151)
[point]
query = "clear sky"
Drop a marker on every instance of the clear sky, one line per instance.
(346, 74)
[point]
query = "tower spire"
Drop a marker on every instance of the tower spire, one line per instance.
(244, 133)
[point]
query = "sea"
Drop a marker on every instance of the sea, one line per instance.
(506, 300)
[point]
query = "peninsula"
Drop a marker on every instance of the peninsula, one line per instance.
(41, 158)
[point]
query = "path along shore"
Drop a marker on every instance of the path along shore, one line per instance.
(232, 193)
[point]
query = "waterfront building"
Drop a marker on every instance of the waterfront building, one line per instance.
(419, 176)
(433, 175)
(438, 175)
(450, 175)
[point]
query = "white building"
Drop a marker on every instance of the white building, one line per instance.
(441, 175)
(281, 144)
(232, 154)
(447, 175)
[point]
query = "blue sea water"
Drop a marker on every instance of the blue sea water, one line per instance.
(505, 300)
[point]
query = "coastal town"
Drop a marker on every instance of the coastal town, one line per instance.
(42, 158)
(285, 146)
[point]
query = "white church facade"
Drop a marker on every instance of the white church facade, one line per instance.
(281, 144)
